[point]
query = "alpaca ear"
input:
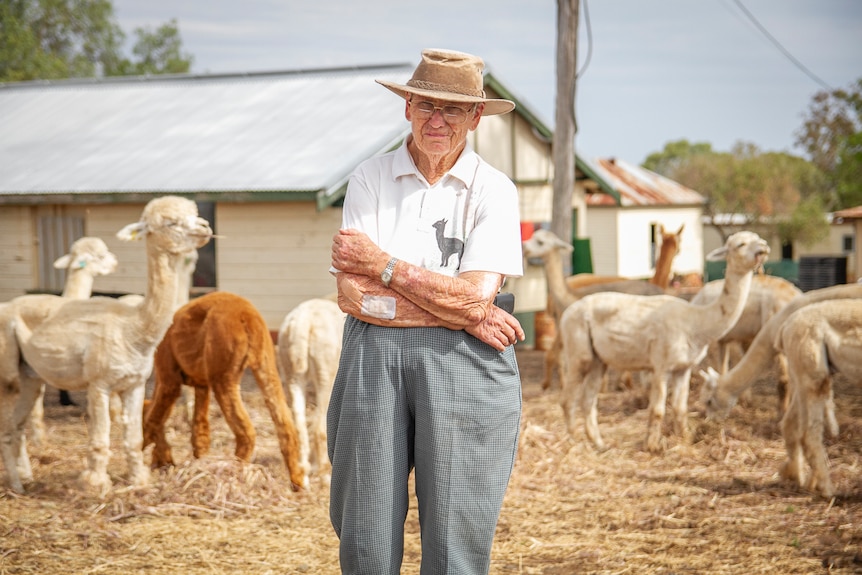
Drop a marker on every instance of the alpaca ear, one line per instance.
(717, 254)
(62, 262)
(132, 232)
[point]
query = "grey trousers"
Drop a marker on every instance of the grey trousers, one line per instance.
(436, 400)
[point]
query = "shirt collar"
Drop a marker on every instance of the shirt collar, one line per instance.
(464, 168)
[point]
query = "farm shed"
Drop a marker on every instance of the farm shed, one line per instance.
(266, 156)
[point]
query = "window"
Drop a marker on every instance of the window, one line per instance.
(56, 230)
(205, 270)
(847, 243)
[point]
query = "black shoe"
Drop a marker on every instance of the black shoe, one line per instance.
(65, 398)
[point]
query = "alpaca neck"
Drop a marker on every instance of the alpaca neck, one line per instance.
(79, 285)
(661, 277)
(761, 353)
(557, 288)
(184, 281)
(157, 309)
(722, 314)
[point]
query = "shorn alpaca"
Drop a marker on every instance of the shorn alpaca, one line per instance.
(663, 334)
(819, 339)
(768, 295)
(210, 343)
(309, 347)
(87, 259)
(548, 247)
(98, 344)
(720, 392)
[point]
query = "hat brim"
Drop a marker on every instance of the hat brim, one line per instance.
(493, 106)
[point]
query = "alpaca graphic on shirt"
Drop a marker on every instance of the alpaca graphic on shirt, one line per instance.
(448, 246)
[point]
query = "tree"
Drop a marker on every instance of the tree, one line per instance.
(160, 52)
(49, 39)
(774, 192)
(832, 136)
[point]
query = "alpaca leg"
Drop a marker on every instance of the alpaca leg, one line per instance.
(680, 382)
(99, 424)
(782, 385)
(792, 428)
(657, 399)
(285, 427)
(201, 422)
(296, 398)
(10, 438)
(592, 382)
(812, 444)
(32, 390)
(133, 434)
(157, 413)
(227, 394)
(37, 418)
(324, 381)
(552, 362)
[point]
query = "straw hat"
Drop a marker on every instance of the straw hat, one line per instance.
(452, 76)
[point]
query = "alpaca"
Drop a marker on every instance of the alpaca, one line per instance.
(98, 344)
(87, 259)
(668, 250)
(210, 343)
(309, 347)
(448, 246)
(547, 246)
(767, 296)
(720, 392)
(662, 333)
(818, 340)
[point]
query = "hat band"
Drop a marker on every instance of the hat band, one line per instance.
(423, 85)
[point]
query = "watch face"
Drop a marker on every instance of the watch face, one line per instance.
(386, 276)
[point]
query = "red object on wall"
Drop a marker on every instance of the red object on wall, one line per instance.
(527, 229)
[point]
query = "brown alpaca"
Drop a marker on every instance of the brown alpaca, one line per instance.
(211, 342)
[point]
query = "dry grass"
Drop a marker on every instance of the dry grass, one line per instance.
(716, 506)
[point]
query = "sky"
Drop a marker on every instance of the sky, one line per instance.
(651, 71)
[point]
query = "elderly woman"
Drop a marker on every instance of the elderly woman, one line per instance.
(428, 379)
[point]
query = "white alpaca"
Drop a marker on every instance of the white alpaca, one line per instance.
(662, 333)
(719, 392)
(100, 344)
(548, 247)
(309, 347)
(87, 259)
(819, 339)
(768, 295)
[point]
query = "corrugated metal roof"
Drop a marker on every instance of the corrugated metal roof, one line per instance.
(638, 186)
(287, 131)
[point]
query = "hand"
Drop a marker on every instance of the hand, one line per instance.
(499, 329)
(354, 252)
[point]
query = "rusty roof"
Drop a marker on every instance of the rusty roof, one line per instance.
(638, 186)
(849, 214)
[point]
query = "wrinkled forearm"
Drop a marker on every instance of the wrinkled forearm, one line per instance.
(355, 290)
(463, 301)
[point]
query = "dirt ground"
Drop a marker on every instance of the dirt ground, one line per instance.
(715, 506)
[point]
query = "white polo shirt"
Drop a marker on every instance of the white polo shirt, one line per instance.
(468, 221)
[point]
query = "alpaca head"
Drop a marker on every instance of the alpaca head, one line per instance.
(544, 242)
(744, 251)
(89, 254)
(172, 223)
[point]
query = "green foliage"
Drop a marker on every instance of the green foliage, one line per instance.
(50, 39)
(766, 188)
(832, 137)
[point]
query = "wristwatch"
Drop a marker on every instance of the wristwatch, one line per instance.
(386, 275)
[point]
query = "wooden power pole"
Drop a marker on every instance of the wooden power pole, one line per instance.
(565, 124)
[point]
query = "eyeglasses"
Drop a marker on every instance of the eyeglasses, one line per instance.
(451, 114)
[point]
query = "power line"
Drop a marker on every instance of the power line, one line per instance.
(778, 45)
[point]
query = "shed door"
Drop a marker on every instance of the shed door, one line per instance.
(57, 227)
